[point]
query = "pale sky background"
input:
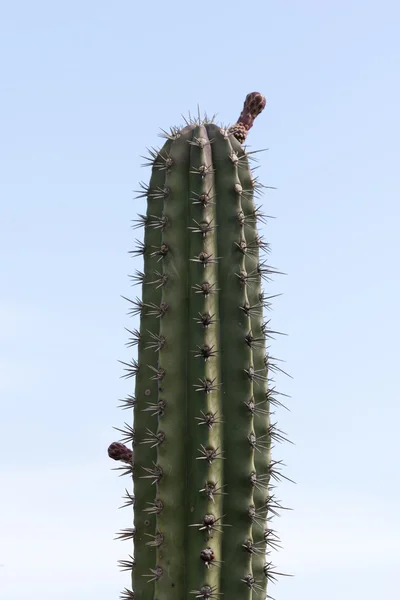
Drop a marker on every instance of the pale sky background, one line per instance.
(85, 87)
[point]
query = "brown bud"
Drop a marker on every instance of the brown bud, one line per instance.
(253, 106)
(118, 451)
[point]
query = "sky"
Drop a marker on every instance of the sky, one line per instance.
(85, 87)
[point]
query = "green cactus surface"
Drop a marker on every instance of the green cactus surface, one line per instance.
(202, 431)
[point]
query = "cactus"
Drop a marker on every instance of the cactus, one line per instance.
(201, 461)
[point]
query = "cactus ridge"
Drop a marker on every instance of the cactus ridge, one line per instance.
(202, 436)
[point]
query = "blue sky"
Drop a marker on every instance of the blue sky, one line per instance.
(85, 87)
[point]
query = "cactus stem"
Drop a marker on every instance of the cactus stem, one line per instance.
(204, 186)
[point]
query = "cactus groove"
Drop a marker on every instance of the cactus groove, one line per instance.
(201, 442)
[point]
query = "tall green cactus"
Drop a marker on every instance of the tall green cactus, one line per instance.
(202, 435)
